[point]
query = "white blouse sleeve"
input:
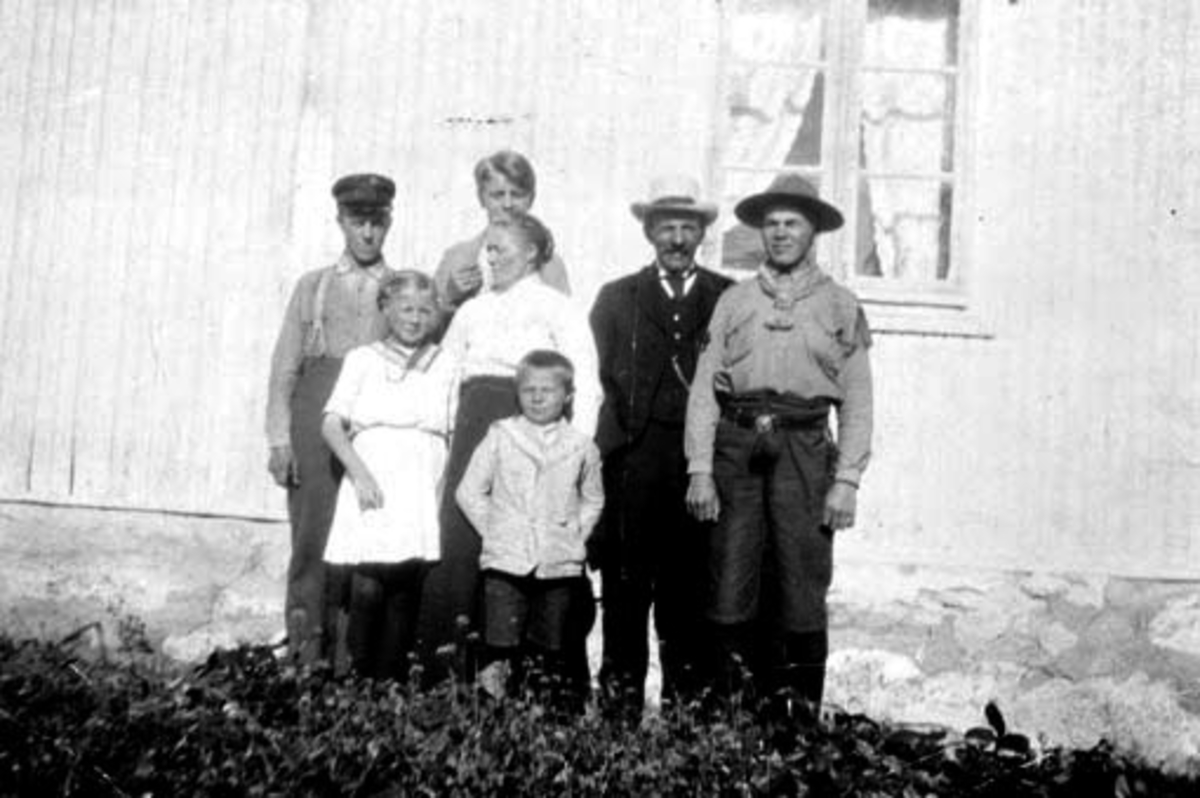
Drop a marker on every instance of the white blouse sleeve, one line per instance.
(438, 402)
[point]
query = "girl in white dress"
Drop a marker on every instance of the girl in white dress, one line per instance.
(387, 421)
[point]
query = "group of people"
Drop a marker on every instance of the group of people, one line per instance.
(459, 449)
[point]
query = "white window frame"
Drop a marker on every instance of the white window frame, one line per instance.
(939, 308)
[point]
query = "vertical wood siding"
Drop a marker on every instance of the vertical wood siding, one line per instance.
(170, 164)
(1071, 439)
(153, 146)
(169, 167)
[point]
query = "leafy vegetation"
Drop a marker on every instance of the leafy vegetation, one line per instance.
(248, 723)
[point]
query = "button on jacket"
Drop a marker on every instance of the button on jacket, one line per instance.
(633, 327)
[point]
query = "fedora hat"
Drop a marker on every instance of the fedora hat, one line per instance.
(677, 194)
(790, 190)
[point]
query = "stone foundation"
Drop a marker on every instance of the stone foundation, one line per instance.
(1069, 659)
(195, 583)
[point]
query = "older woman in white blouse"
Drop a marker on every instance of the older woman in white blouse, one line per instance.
(486, 340)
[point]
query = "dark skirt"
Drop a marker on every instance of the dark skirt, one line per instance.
(451, 588)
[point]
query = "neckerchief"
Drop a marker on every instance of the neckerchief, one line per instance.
(786, 289)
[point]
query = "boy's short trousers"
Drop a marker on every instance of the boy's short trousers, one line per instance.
(525, 609)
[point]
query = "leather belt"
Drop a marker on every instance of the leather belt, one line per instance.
(765, 420)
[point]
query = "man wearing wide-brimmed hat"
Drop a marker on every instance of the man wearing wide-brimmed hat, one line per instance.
(784, 349)
(332, 310)
(648, 327)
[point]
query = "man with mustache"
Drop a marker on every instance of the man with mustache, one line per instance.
(783, 350)
(648, 327)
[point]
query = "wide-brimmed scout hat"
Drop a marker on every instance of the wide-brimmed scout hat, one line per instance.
(790, 190)
(364, 193)
(675, 194)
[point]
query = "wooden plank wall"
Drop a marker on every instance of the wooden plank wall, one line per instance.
(1071, 439)
(152, 146)
(170, 163)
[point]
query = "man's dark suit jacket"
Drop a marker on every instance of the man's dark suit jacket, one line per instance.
(630, 321)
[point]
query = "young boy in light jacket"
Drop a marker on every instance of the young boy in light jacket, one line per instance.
(533, 491)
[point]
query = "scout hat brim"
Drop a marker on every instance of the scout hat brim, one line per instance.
(790, 191)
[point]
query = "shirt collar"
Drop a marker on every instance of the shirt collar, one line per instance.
(689, 278)
(789, 287)
(346, 264)
(688, 273)
(545, 433)
(420, 358)
(522, 285)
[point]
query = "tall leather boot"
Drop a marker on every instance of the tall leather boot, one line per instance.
(733, 665)
(803, 673)
(298, 636)
(794, 684)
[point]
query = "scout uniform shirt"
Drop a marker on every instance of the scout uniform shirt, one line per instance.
(797, 333)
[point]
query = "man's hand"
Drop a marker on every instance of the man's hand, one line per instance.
(465, 279)
(702, 500)
(840, 505)
(282, 465)
(370, 497)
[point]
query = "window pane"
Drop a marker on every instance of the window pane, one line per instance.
(775, 116)
(907, 122)
(741, 246)
(904, 229)
(920, 33)
(779, 30)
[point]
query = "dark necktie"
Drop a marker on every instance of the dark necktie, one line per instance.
(675, 281)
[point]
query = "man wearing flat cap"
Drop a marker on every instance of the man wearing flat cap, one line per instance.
(332, 310)
(648, 327)
(784, 350)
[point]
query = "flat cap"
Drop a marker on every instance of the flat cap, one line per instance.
(364, 192)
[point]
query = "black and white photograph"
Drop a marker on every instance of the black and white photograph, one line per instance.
(625, 398)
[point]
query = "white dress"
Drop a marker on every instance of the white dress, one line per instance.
(399, 414)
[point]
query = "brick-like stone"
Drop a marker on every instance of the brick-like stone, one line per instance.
(1003, 609)
(1055, 638)
(1066, 656)
(1177, 625)
(66, 567)
(1044, 586)
(1133, 712)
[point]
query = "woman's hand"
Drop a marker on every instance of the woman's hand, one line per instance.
(370, 497)
(465, 279)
